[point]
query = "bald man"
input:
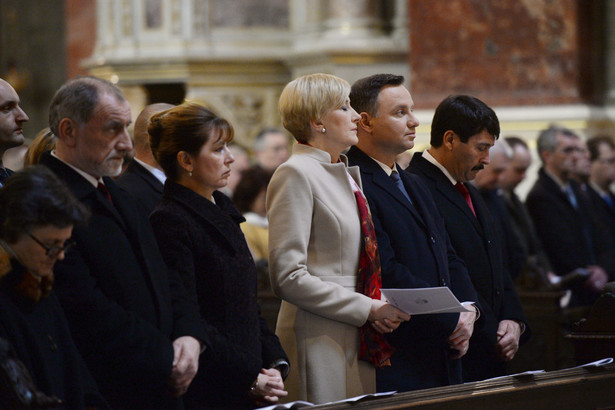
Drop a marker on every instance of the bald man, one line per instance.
(12, 118)
(144, 177)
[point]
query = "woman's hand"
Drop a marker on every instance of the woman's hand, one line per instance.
(385, 317)
(269, 386)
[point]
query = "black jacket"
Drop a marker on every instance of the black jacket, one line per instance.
(142, 185)
(476, 241)
(41, 339)
(123, 306)
(202, 242)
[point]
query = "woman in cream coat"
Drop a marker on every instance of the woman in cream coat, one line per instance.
(314, 243)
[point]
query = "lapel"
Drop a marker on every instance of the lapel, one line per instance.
(147, 176)
(372, 171)
(215, 215)
(83, 189)
(446, 189)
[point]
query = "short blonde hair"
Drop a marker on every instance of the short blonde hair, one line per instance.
(310, 97)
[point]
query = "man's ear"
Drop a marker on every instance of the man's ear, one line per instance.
(450, 139)
(366, 122)
(67, 128)
(185, 161)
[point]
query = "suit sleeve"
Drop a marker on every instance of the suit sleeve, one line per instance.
(290, 206)
(106, 331)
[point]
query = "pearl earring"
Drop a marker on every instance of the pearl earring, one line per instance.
(190, 173)
(323, 130)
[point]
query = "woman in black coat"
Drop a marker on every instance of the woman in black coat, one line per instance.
(37, 214)
(198, 233)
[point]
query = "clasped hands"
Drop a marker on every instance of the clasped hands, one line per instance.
(186, 352)
(384, 317)
(268, 386)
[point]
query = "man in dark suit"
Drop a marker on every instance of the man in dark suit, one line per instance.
(12, 118)
(463, 130)
(487, 182)
(415, 251)
(131, 319)
(602, 201)
(561, 214)
(537, 270)
(144, 178)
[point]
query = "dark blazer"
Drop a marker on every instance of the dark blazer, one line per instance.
(603, 218)
(415, 252)
(476, 241)
(514, 254)
(566, 233)
(123, 306)
(202, 242)
(142, 185)
(41, 339)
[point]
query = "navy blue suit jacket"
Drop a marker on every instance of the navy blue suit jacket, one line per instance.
(415, 252)
(475, 239)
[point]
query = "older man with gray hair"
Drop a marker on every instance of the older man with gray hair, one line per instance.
(560, 212)
(130, 317)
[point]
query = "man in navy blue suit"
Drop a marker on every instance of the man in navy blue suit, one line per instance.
(462, 132)
(415, 251)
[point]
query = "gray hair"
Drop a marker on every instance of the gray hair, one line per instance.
(547, 140)
(78, 98)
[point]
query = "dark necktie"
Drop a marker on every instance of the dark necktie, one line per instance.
(608, 199)
(571, 197)
(395, 177)
(105, 192)
(463, 190)
(4, 174)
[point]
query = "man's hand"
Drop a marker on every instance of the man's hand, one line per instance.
(597, 278)
(508, 333)
(186, 351)
(385, 317)
(269, 386)
(459, 340)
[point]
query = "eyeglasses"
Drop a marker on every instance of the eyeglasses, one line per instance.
(53, 251)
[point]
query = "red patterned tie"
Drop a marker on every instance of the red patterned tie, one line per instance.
(374, 347)
(104, 191)
(466, 195)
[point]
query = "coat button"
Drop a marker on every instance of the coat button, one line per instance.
(443, 282)
(433, 240)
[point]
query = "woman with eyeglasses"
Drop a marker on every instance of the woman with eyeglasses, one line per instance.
(37, 214)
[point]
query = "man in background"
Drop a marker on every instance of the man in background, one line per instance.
(12, 118)
(144, 177)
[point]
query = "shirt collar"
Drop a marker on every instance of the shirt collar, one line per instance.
(160, 175)
(434, 161)
(386, 168)
(84, 174)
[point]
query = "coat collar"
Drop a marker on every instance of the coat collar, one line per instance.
(447, 189)
(216, 215)
(138, 169)
(372, 170)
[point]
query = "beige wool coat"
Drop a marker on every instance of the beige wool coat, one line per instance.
(314, 245)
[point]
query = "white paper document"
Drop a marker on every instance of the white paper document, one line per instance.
(424, 301)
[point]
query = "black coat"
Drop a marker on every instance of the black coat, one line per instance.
(476, 241)
(603, 218)
(123, 306)
(203, 243)
(415, 252)
(567, 234)
(142, 185)
(40, 337)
